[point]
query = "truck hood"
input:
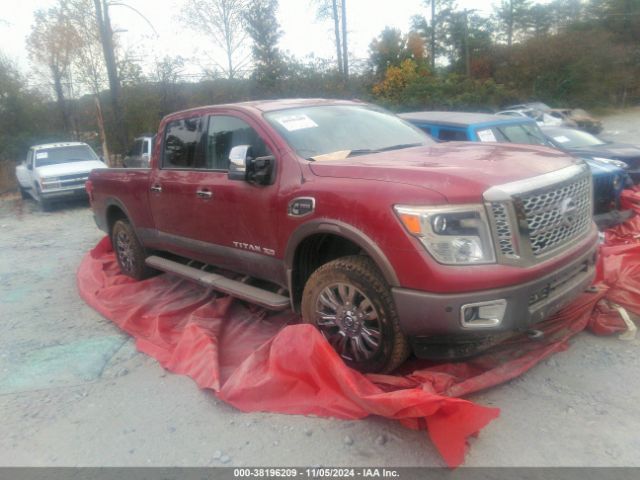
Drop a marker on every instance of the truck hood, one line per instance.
(460, 171)
(69, 168)
(618, 151)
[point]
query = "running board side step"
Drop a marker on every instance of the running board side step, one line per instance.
(242, 291)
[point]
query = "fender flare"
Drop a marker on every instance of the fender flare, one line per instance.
(114, 202)
(342, 229)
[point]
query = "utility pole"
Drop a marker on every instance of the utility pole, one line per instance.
(345, 50)
(433, 35)
(106, 37)
(510, 25)
(467, 58)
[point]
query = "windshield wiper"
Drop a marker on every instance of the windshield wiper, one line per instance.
(366, 151)
(400, 146)
(362, 151)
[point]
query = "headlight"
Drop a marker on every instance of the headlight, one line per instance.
(609, 161)
(50, 182)
(455, 235)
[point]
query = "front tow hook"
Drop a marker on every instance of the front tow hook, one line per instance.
(535, 334)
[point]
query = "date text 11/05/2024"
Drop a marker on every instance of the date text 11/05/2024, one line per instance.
(319, 472)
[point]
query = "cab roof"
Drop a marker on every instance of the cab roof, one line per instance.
(271, 105)
(57, 145)
(461, 119)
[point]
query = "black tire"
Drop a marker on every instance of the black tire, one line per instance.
(360, 319)
(129, 252)
(24, 194)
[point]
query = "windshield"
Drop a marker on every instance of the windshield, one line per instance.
(567, 138)
(334, 132)
(526, 133)
(74, 153)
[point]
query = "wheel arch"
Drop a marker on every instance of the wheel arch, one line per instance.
(115, 211)
(342, 237)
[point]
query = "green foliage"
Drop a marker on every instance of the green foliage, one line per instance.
(410, 87)
(571, 69)
(262, 26)
(25, 118)
(391, 48)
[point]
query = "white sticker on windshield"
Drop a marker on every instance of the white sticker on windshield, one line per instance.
(561, 139)
(296, 122)
(40, 155)
(486, 136)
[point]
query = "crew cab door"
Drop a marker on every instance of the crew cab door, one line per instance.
(199, 211)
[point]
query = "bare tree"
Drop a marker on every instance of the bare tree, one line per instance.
(51, 44)
(103, 22)
(88, 61)
(166, 73)
(336, 10)
(222, 22)
(336, 26)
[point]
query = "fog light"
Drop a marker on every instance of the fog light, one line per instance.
(483, 314)
(470, 313)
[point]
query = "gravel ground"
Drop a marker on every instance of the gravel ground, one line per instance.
(75, 392)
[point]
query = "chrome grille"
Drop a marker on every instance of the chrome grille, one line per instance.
(550, 225)
(75, 176)
(503, 229)
(72, 181)
(534, 217)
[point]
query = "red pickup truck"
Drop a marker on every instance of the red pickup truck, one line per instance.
(384, 240)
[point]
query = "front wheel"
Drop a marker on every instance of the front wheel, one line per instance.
(350, 303)
(23, 193)
(44, 204)
(129, 252)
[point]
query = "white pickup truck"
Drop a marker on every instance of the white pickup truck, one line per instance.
(56, 171)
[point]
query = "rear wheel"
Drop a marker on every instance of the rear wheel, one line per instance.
(129, 252)
(350, 303)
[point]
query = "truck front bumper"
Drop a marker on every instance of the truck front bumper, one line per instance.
(520, 306)
(64, 194)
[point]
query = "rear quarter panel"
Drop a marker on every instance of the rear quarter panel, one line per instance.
(124, 188)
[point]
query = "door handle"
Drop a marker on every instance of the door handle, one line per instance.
(156, 188)
(204, 193)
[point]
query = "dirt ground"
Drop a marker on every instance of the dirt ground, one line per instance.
(75, 392)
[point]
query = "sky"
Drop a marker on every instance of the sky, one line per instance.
(303, 34)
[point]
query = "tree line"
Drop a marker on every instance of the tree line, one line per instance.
(566, 52)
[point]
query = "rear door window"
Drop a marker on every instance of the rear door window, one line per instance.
(184, 147)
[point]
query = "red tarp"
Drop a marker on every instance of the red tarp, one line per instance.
(260, 362)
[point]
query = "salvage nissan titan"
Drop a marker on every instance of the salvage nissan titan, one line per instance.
(343, 212)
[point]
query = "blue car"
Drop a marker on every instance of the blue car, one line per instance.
(609, 176)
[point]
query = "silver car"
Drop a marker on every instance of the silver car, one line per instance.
(139, 153)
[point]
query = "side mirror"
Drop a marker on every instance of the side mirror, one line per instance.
(242, 166)
(260, 170)
(238, 162)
